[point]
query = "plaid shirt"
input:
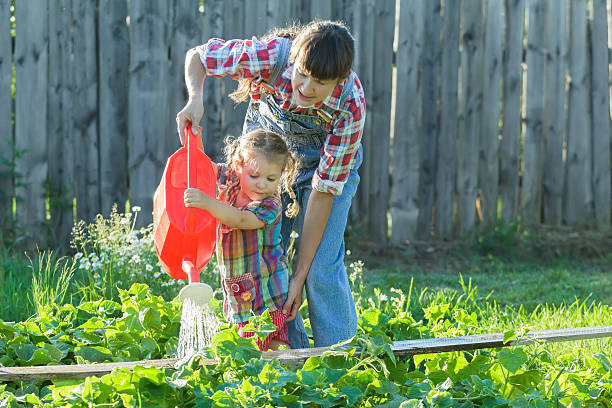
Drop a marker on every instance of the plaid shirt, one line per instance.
(255, 59)
(254, 270)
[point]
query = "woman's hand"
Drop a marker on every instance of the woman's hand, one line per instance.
(294, 298)
(191, 113)
(194, 197)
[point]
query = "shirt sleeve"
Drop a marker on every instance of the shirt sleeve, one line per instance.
(341, 146)
(267, 210)
(239, 58)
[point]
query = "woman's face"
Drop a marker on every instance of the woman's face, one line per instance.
(308, 91)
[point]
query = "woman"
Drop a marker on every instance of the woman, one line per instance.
(300, 84)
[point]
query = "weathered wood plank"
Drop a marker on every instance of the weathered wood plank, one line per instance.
(600, 113)
(555, 125)
(447, 139)
(533, 145)
(59, 131)
(471, 109)
(488, 165)
(85, 111)
(363, 27)
(31, 65)
(428, 134)
(6, 114)
(320, 9)
(578, 192)
(384, 17)
(295, 358)
(511, 128)
(185, 33)
(404, 205)
(148, 102)
(113, 54)
(255, 18)
(213, 88)
(233, 114)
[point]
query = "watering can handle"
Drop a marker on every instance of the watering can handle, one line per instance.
(191, 142)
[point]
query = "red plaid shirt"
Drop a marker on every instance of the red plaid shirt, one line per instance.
(255, 59)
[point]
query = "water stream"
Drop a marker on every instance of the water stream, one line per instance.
(198, 326)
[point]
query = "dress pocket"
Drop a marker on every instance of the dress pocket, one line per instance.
(240, 291)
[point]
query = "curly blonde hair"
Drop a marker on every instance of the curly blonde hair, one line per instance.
(326, 50)
(273, 147)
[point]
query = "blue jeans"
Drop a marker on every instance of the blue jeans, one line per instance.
(330, 302)
(331, 308)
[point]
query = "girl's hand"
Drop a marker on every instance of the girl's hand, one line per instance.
(191, 113)
(194, 197)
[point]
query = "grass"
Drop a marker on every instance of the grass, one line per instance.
(492, 278)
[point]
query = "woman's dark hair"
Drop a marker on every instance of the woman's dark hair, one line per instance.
(323, 49)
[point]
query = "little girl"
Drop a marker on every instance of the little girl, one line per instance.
(253, 265)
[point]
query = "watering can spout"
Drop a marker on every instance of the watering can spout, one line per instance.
(198, 292)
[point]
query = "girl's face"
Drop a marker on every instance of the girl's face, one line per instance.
(259, 177)
(307, 91)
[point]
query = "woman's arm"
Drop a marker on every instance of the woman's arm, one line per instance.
(315, 220)
(194, 109)
(228, 215)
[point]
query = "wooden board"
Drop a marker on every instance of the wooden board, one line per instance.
(555, 120)
(85, 111)
(404, 204)
(113, 54)
(59, 125)
(511, 115)
(6, 113)
(577, 184)
(148, 102)
(471, 110)
(449, 107)
(31, 82)
(600, 114)
(295, 358)
(533, 144)
(428, 135)
(488, 164)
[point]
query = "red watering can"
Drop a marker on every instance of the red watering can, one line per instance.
(185, 238)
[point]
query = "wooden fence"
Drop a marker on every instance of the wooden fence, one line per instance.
(478, 110)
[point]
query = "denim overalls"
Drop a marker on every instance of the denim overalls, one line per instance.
(330, 302)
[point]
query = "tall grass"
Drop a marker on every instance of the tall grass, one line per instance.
(51, 278)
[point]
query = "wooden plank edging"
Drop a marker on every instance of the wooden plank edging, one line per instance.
(297, 357)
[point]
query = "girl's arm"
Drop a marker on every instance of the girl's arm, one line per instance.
(228, 215)
(317, 212)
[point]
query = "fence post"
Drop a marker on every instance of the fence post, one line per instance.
(213, 87)
(578, 193)
(59, 132)
(533, 146)
(488, 166)
(429, 122)
(600, 113)
(6, 115)
(555, 99)
(447, 141)
(113, 54)
(511, 112)
(85, 111)
(404, 206)
(471, 110)
(31, 65)
(148, 102)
